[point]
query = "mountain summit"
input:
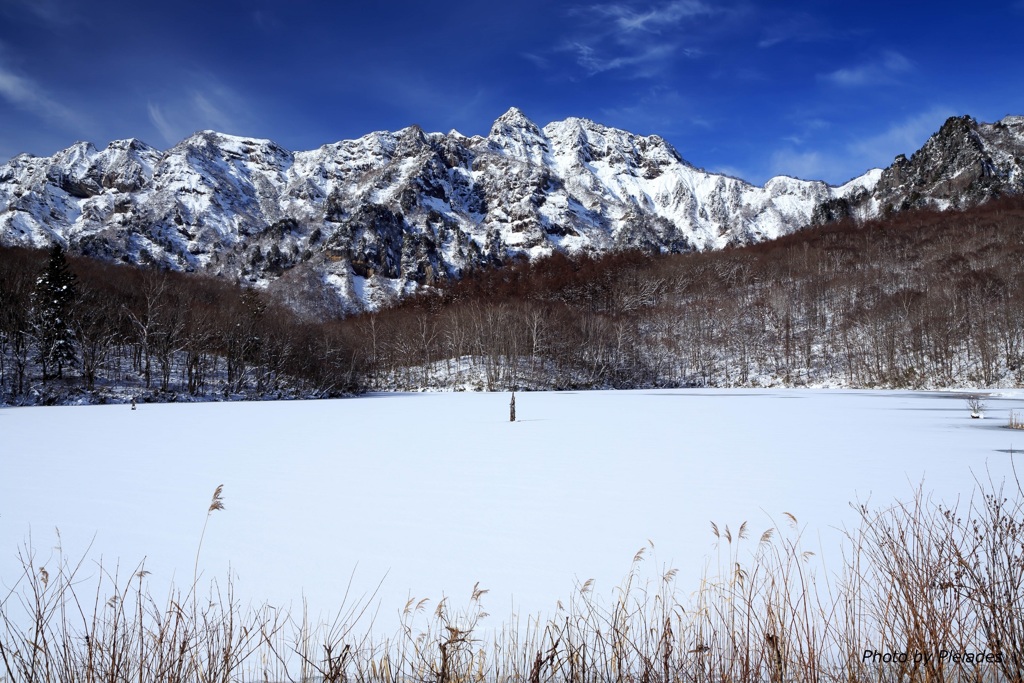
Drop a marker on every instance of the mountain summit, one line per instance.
(356, 222)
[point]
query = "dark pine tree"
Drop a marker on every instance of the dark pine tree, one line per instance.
(53, 299)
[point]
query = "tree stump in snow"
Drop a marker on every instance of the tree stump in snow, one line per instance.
(512, 408)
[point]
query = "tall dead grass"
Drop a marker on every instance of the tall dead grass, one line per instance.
(924, 591)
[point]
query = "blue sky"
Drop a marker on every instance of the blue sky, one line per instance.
(813, 89)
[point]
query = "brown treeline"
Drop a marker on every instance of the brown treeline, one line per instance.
(160, 335)
(920, 299)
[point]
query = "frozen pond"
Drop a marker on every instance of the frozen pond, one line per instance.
(435, 492)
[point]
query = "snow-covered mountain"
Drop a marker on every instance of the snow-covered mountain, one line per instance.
(963, 164)
(356, 222)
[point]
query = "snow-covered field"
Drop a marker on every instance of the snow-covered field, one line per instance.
(435, 492)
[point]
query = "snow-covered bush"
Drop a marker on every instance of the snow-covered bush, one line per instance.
(976, 406)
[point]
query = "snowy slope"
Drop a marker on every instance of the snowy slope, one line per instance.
(439, 491)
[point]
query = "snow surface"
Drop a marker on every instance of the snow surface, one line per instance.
(434, 492)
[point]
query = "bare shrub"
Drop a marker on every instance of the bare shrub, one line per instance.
(976, 405)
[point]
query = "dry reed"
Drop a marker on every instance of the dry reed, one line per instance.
(922, 588)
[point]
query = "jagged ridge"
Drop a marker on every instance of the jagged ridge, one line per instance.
(356, 222)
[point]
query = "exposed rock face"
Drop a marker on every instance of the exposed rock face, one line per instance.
(359, 221)
(964, 164)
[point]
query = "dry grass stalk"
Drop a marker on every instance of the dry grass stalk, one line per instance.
(918, 577)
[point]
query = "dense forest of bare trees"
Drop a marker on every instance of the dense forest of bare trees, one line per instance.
(922, 299)
(153, 334)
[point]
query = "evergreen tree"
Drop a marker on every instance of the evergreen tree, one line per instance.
(53, 299)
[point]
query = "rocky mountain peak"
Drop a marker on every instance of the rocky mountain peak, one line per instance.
(517, 136)
(130, 145)
(410, 141)
(513, 119)
(962, 164)
(356, 222)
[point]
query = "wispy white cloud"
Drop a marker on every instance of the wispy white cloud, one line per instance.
(806, 164)
(425, 99)
(902, 137)
(642, 62)
(206, 104)
(653, 19)
(168, 131)
(884, 69)
(214, 112)
(731, 171)
(850, 159)
(630, 39)
(540, 61)
(28, 95)
(794, 28)
(266, 20)
(660, 110)
(808, 127)
(53, 13)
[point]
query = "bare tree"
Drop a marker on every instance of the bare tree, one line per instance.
(976, 405)
(145, 315)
